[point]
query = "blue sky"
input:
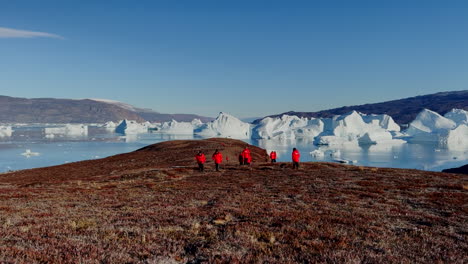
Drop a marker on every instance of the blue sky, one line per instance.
(247, 58)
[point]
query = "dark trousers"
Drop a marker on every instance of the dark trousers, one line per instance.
(246, 162)
(295, 165)
(273, 160)
(217, 166)
(201, 167)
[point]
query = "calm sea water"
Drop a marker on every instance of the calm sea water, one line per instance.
(99, 143)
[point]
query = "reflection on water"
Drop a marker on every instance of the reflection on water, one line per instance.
(100, 142)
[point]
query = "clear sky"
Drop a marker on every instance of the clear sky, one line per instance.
(247, 58)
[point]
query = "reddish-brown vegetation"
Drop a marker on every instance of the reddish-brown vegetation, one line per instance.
(138, 208)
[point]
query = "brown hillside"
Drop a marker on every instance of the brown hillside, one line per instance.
(139, 208)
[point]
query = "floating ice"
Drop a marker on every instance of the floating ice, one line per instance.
(131, 127)
(28, 153)
(174, 127)
(317, 153)
(68, 129)
(429, 126)
(459, 116)
(225, 125)
(5, 131)
(351, 129)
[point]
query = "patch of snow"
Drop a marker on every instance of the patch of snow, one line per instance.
(117, 103)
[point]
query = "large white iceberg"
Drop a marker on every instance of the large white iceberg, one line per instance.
(459, 116)
(68, 129)
(384, 121)
(225, 125)
(278, 128)
(131, 127)
(428, 121)
(174, 127)
(355, 128)
(431, 127)
(5, 131)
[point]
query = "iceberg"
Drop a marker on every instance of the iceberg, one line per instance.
(459, 116)
(458, 138)
(110, 125)
(68, 129)
(174, 127)
(384, 121)
(5, 131)
(28, 153)
(355, 128)
(287, 127)
(225, 125)
(428, 121)
(131, 127)
(431, 127)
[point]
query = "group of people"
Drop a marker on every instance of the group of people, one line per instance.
(245, 158)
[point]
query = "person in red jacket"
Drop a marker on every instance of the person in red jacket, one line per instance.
(201, 159)
(273, 156)
(217, 158)
(246, 156)
(295, 158)
(241, 159)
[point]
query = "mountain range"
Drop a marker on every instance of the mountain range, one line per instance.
(403, 111)
(51, 110)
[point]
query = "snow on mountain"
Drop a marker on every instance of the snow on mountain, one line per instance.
(5, 131)
(117, 103)
(131, 127)
(225, 125)
(68, 129)
(459, 116)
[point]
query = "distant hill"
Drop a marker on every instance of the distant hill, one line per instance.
(51, 110)
(403, 111)
(460, 170)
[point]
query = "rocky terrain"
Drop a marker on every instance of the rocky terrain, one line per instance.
(403, 111)
(51, 110)
(153, 206)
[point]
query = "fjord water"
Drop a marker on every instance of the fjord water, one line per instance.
(99, 143)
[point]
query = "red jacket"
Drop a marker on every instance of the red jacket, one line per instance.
(296, 156)
(200, 158)
(272, 155)
(217, 157)
(246, 154)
